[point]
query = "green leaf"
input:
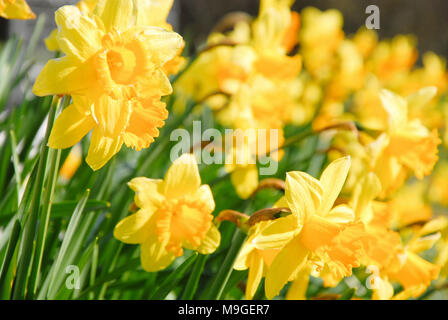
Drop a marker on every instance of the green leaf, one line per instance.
(64, 257)
(173, 279)
(193, 280)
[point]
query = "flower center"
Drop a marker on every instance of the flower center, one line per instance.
(122, 65)
(182, 223)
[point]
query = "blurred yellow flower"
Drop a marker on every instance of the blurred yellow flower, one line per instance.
(113, 69)
(415, 273)
(243, 170)
(72, 163)
(438, 190)
(175, 213)
(320, 37)
(406, 146)
(408, 205)
(16, 9)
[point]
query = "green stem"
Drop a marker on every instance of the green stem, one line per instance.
(223, 275)
(29, 233)
(54, 159)
(193, 280)
(173, 279)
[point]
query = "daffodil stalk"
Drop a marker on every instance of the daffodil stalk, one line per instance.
(29, 232)
(54, 158)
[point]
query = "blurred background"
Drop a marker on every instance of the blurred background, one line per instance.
(427, 20)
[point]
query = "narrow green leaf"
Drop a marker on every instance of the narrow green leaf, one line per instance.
(173, 279)
(62, 261)
(30, 229)
(193, 280)
(9, 262)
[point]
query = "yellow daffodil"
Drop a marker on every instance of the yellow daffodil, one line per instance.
(249, 51)
(16, 9)
(392, 260)
(113, 69)
(320, 36)
(316, 232)
(392, 60)
(175, 213)
(415, 273)
(407, 145)
(366, 41)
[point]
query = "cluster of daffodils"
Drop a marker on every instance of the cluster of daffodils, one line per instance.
(250, 78)
(380, 201)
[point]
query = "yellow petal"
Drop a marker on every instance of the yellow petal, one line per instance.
(281, 203)
(182, 177)
(424, 243)
(298, 197)
(144, 123)
(154, 257)
(102, 149)
(156, 84)
(396, 107)
(78, 35)
(341, 214)
(288, 262)
(164, 45)
(313, 185)
(134, 229)
(297, 290)
(204, 196)
(332, 180)
(112, 115)
(18, 9)
(382, 289)
(148, 192)
(419, 100)
(256, 266)
(65, 76)
(242, 260)
(416, 271)
(115, 14)
(210, 242)
(277, 234)
(365, 192)
(51, 42)
(245, 180)
(152, 13)
(70, 127)
(434, 225)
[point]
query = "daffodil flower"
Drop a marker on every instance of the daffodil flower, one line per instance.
(175, 213)
(113, 69)
(16, 9)
(406, 146)
(315, 232)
